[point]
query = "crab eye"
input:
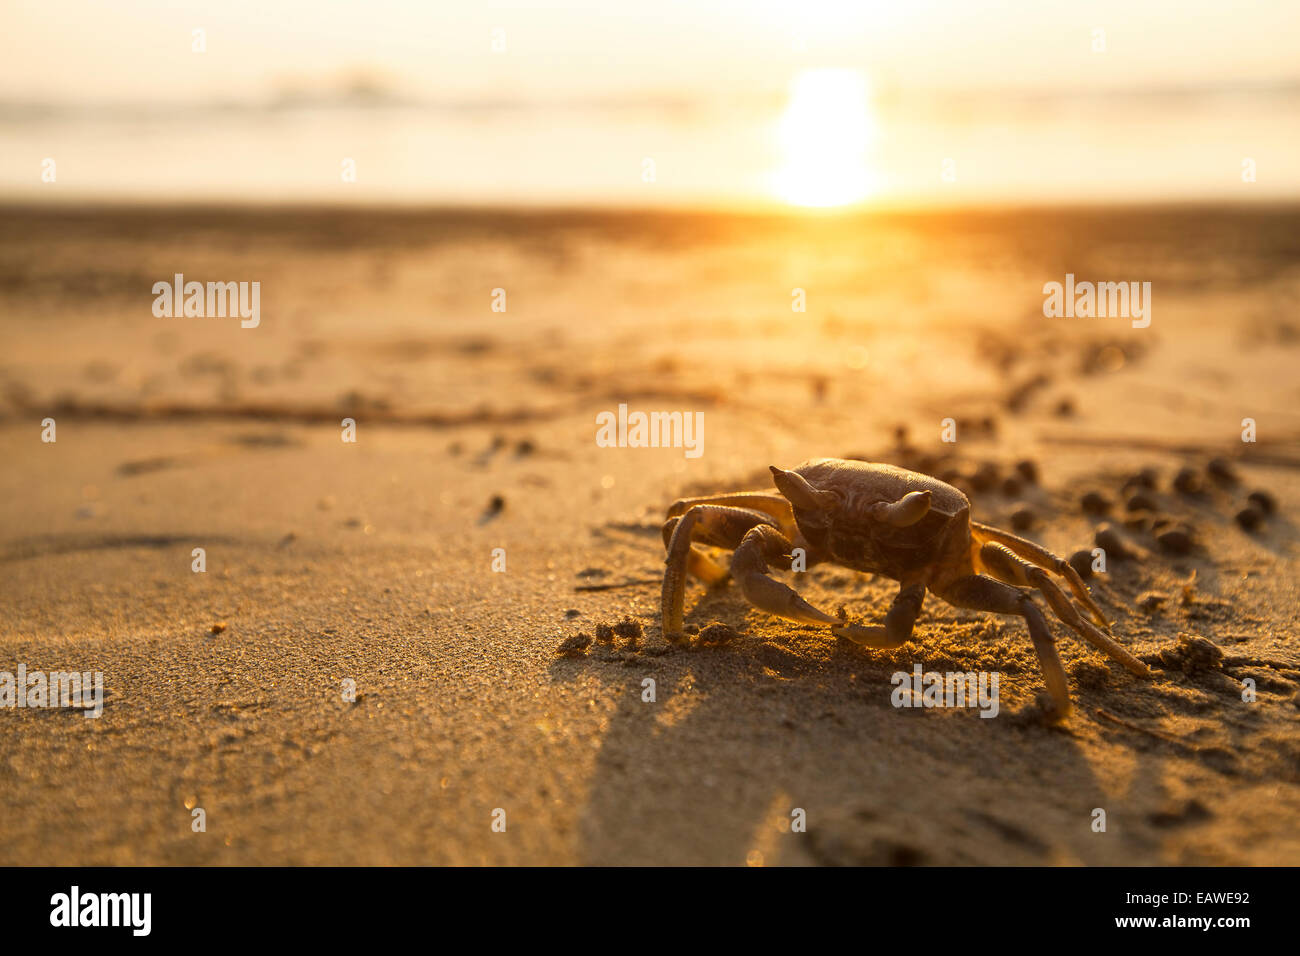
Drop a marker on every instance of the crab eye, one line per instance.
(801, 494)
(907, 510)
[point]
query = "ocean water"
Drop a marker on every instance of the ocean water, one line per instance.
(884, 149)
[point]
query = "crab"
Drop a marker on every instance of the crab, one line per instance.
(884, 520)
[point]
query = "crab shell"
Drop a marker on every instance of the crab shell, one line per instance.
(843, 518)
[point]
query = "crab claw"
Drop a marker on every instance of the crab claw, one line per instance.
(868, 635)
(907, 510)
(799, 493)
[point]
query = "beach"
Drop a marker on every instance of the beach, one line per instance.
(442, 564)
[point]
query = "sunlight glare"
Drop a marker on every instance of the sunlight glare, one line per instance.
(825, 132)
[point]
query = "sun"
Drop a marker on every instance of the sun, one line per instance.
(825, 133)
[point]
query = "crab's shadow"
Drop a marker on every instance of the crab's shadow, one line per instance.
(712, 752)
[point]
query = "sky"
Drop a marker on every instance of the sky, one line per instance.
(90, 51)
(941, 80)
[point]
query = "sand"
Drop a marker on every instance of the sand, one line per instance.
(373, 562)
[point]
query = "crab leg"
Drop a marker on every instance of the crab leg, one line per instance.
(1009, 567)
(698, 563)
(749, 568)
(899, 621)
(769, 504)
(713, 524)
(1044, 559)
(980, 593)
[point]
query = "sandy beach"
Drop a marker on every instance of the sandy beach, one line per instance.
(445, 561)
